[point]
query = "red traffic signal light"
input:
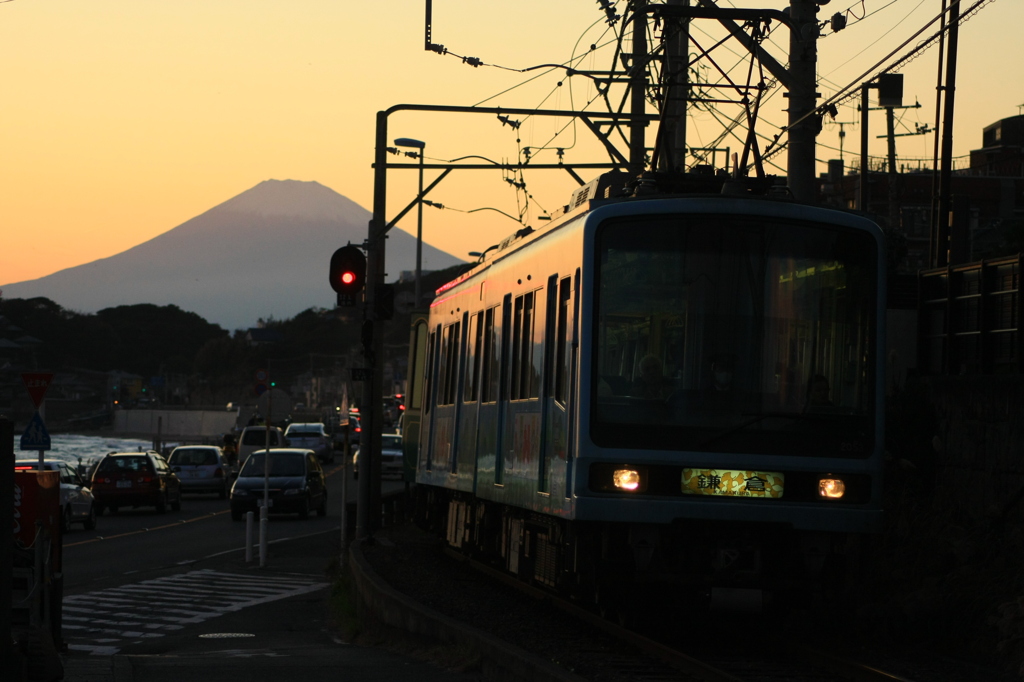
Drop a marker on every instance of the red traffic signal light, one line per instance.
(348, 270)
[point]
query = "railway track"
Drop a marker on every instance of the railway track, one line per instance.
(748, 657)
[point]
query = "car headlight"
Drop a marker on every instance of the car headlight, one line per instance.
(292, 491)
(240, 492)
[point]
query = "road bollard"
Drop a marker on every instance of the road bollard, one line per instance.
(248, 536)
(263, 536)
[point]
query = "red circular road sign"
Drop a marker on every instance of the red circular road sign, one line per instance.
(37, 383)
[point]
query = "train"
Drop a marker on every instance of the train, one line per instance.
(665, 397)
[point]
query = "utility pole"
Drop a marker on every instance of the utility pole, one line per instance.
(672, 145)
(803, 62)
(890, 133)
(368, 504)
(941, 230)
(638, 89)
(862, 195)
(934, 217)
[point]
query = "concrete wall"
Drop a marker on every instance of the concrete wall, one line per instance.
(964, 435)
(174, 423)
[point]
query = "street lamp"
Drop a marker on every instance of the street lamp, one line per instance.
(416, 144)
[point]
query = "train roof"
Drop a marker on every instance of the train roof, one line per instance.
(618, 187)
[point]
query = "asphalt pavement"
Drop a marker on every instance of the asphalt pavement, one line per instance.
(290, 637)
(170, 597)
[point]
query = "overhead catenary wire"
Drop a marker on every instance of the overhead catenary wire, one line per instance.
(852, 89)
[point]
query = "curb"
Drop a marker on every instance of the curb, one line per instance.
(500, 661)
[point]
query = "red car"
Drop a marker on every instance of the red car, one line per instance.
(135, 479)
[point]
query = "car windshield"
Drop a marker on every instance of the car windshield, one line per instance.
(391, 442)
(115, 464)
(734, 334)
(300, 431)
(193, 457)
(281, 464)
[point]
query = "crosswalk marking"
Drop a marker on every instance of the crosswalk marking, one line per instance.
(103, 621)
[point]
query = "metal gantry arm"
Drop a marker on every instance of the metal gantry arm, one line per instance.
(369, 485)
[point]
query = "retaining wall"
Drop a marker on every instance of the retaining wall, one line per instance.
(174, 423)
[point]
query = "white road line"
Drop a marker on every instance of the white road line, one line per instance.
(100, 622)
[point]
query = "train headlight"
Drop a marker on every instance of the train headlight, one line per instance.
(626, 479)
(831, 488)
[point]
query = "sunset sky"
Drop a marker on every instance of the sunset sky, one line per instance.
(124, 118)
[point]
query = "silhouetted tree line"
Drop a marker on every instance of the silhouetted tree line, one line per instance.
(151, 340)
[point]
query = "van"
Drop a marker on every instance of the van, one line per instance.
(254, 438)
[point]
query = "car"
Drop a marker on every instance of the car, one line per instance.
(77, 503)
(135, 479)
(254, 438)
(202, 469)
(312, 436)
(391, 457)
(296, 482)
(355, 429)
(394, 406)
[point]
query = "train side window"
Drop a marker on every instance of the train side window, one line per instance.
(489, 363)
(503, 334)
(474, 341)
(517, 342)
(445, 341)
(549, 336)
(524, 376)
(533, 348)
(563, 339)
(448, 375)
(419, 344)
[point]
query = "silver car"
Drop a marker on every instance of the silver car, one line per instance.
(202, 469)
(77, 504)
(312, 436)
(391, 457)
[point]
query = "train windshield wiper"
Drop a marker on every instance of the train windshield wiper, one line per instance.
(797, 416)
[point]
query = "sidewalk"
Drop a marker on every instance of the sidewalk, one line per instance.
(290, 638)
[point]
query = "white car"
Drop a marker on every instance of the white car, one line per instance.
(77, 504)
(312, 436)
(254, 438)
(202, 469)
(391, 457)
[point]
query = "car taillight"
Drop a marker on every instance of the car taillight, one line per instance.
(218, 473)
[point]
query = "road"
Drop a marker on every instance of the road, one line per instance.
(135, 541)
(150, 596)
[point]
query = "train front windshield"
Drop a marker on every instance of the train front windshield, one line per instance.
(735, 334)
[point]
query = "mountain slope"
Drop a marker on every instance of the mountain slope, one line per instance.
(261, 254)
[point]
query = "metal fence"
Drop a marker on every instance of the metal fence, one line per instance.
(969, 317)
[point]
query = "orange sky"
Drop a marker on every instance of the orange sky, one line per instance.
(123, 119)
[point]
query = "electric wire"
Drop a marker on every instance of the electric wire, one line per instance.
(851, 90)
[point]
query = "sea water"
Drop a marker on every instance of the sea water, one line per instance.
(82, 450)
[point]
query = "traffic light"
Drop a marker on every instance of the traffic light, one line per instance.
(348, 273)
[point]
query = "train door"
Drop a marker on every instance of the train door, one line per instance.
(469, 408)
(572, 352)
(522, 408)
(413, 414)
(503, 381)
(426, 455)
(488, 416)
(558, 357)
(443, 426)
